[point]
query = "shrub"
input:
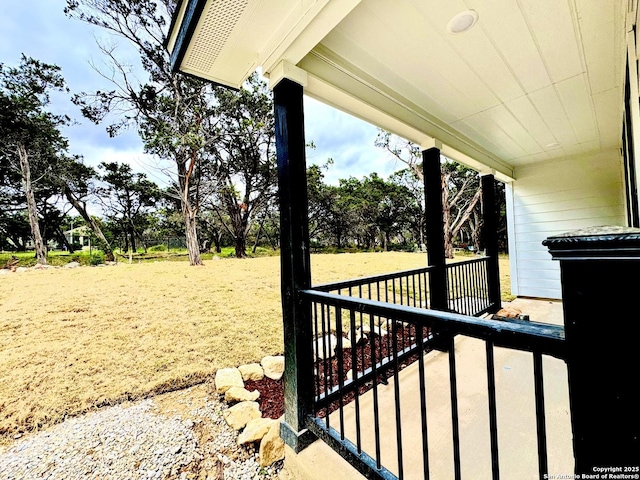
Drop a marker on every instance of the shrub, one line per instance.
(161, 247)
(96, 259)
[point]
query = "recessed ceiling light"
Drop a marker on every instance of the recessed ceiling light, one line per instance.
(462, 22)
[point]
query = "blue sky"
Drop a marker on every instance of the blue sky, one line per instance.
(39, 29)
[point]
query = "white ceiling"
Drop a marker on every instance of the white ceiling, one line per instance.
(533, 80)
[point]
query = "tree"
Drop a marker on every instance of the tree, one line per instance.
(174, 113)
(77, 183)
(321, 197)
(415, 189)
(245, 174)
(126, 197)
(31, 140)
(461, 192)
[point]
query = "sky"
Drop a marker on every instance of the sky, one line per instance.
(39, 29)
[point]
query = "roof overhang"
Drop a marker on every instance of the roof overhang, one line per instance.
(225, 41)
(531, 82)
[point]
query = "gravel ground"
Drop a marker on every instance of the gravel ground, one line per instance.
(180, 435)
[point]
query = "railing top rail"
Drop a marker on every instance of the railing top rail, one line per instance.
(326, 287)
(483, 258)
(528, 336)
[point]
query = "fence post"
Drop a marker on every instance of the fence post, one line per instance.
(434, 227)
(295, 274)
(490, 234)
(599, 268)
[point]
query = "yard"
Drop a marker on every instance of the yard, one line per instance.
(72, 340)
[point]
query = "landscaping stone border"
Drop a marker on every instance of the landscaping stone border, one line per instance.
(244, 412)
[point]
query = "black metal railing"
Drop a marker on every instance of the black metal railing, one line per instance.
(408, 287)
(467, 285)
(360, 344)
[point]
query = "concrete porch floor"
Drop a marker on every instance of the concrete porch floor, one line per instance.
(515, 410)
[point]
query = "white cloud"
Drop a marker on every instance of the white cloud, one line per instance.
(346, 139)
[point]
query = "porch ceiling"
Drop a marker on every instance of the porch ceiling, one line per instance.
(531, 81)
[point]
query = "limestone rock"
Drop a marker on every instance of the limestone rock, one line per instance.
(251, 371)
(509, 312)
(22, 269)
(325, 347)
(271, 446)
(255, 430)
(273, 366)
(72, 265)
(39, 266)
(227, 378)
(238, 394)
(241, 413)
(354, 337)
(377, 330)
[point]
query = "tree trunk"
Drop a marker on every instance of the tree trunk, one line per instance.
(32, 209)
(191, 234)
(132, 236)
(189, 210)
(91, 223)
(216, 242)
(255, 244)
(241, 246)
(446, 219)
(64, 240)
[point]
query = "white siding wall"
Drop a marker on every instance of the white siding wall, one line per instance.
(554, 198)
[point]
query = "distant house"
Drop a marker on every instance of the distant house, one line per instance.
(79, 235)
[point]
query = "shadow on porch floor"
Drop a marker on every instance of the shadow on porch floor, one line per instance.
(516, 415)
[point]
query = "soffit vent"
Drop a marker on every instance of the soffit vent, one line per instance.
(218, 23)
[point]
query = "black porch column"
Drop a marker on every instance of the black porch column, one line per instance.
(490, 234)
(434, 226)
(600, 269)
(295, 270)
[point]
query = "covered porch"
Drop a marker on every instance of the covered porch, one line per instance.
(533, 89)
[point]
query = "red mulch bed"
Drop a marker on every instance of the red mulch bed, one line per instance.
(271, 398)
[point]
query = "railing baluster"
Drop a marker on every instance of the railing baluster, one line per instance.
(481, 289)
(540, 415)
(316, 336)
(474, 286)
(326, 370)
(420, 290)
(413, 286)
(376, 414)
(386, 299)
(393, 291)
(493, 418)
(396, 391)
(459, 293)
(468, 288)
(341, 373)
(354, 373)
(408, 290)
(423, 405)
(454, 410)
(457, 297)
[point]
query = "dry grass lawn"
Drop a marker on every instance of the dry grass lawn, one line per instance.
(75, 339)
